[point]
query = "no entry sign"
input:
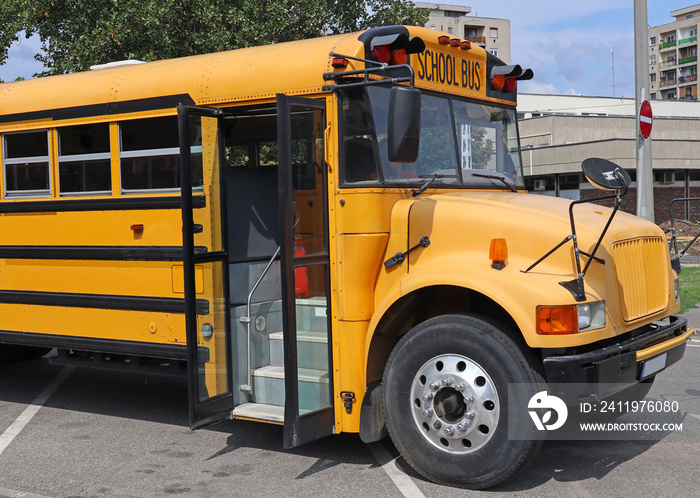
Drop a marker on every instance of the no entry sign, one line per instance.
(645, 119)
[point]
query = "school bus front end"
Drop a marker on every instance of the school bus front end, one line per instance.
(478, 286)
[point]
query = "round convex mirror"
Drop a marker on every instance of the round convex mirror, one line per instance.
(604, 174)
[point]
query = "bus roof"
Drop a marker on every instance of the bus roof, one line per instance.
(249, 74)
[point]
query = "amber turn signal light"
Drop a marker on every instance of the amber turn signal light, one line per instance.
(498, 253)
(556, 320)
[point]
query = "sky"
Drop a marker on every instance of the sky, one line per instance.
(567, 44)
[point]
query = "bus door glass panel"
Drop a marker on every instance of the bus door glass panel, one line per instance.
(205, 263)
(305, 274)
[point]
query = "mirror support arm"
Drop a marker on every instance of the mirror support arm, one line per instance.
(576, 286)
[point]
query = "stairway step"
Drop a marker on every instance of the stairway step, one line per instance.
(304, 336)
(259, 411)
(269, 387)
(312, 349)
(305, 374)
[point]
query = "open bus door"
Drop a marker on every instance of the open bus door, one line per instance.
(305, 273)
(205, 264)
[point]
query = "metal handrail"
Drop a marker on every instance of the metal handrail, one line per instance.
(246, 319)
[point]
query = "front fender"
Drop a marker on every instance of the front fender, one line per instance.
(512, 290)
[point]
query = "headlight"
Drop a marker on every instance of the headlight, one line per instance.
(591, 316)
(570, 318)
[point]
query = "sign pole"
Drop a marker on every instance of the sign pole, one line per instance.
(645, 174)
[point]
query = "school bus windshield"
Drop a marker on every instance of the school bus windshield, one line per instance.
(457, 139)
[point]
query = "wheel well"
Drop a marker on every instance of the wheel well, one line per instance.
(421, 305)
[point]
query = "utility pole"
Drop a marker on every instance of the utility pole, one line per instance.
(645, 174)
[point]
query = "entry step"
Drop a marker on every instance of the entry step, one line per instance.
(304, 336)
(259, 411)
(305, 374)
(312, 349)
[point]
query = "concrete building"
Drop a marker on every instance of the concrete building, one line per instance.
(492, 34)
(559, 131)
(673, 56)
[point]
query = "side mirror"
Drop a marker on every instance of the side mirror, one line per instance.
(604, 174)
(404, 125)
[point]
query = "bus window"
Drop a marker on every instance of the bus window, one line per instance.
(26, 161)
(488, 139)
(365, 114)
(150, 155)
(437, 149)
(436, 154)
(453, 132)
(359, 157)
(84, 160)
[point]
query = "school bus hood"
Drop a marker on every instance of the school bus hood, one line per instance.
(461, 226)
(528, 222)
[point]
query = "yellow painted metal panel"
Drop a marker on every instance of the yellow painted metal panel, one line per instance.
(132, 278)
(92, 228)
(360, 256)
(150, 327)
(350, 371)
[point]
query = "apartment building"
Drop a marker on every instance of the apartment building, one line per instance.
(673, 56)
(492, 34)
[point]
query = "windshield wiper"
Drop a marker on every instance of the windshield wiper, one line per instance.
(493, 175)
(431, 179)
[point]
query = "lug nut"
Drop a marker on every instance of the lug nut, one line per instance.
(435, 386)
(428, 397)
(462, 426)
(447, 381)
(437, 424)
(470, 414)
(460, 387)
(428, 413)
(469, 398)
(449, 431)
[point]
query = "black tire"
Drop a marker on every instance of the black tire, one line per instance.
(458, 433)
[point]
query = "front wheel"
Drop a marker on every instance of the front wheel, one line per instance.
(445, 390)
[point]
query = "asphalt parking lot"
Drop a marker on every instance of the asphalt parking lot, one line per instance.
(115, 434)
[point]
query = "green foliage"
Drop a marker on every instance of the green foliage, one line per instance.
(76, 34)
(689, 287)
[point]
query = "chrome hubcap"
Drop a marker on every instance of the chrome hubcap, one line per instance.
(454, 404)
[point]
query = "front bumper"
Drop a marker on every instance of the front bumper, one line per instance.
(599, 373)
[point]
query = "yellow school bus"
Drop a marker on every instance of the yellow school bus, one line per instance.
(331, 235)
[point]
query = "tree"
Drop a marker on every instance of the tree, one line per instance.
(76, 34)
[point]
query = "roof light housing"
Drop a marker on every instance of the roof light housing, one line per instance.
(394, 49)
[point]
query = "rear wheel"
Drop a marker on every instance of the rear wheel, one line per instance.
(446, 389)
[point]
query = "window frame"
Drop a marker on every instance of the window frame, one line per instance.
(381, 183)
(146, 153)
(73, 158)
(33, 193)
